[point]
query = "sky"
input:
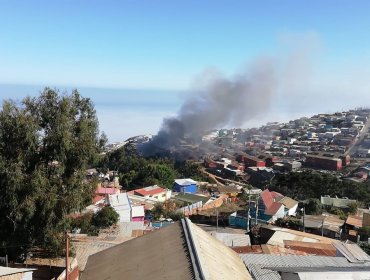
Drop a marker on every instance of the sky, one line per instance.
(137, 60)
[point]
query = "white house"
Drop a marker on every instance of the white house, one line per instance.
(121, 204)
(154, 192)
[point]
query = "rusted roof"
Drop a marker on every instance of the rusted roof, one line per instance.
(152, 190)
(355, 221)
(318, 249)
(267, 249)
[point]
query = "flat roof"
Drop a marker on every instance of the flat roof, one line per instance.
(4, 271)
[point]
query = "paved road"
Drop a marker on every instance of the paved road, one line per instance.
(353, 148)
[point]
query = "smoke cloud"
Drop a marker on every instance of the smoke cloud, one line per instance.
(218, 101)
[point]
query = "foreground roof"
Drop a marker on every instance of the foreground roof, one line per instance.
(5, 271)
(158, 255)
(267, 267)
(179, 251)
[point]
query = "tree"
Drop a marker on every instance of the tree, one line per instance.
(105, 217)
(313, 207)
(46, 143)
(352, 208)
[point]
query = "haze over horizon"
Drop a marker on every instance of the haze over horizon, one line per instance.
(139, 61)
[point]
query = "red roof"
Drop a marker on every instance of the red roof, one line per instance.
(275, 206)
(103, 191)
(276, 195)
(267, 198)
(153, 190)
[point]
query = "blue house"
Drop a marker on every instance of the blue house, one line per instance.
(185, 186)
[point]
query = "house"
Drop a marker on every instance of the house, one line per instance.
(239, 219)
(289, 204)
(121, 204)
(105, 191)
(270, 210)
(186, 252)
(154, 192)
(10, 273)
(137, 213)
(185, 186)
(127, 211)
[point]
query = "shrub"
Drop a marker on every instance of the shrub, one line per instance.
(105, 217)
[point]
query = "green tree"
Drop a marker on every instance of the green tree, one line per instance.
(313, 207)
(352, 208)
(46, 143)
(105, 217)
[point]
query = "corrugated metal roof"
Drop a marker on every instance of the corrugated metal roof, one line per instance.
(355, 221)
(232, 239)
(320, 269)
(259, 273)
(217, 261)
(294, 261)
(352, 252)
(158, 255)
(319, 249)
(278, 238)
(185, 182)
(152, 190)
(282, 234)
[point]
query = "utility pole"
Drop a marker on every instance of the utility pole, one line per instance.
(257, 199)
(216, 219)
(67, 254)
(304, 213)
(322, 227)
(249, 211)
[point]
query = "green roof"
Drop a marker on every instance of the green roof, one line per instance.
(191, 198)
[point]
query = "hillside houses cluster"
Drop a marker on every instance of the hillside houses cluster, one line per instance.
(320, 142)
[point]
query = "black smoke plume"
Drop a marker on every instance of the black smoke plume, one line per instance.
(217, 102)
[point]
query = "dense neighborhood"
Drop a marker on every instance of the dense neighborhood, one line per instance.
(279, 202)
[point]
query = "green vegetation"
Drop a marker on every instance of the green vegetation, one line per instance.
(289, 222)
(105, 217)
(313, 207)
(364, 232)
(46, 143)
(90, 223)
(135, 171)
(312, 184)
(167, 209)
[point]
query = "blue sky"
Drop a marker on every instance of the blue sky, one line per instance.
(141, 54)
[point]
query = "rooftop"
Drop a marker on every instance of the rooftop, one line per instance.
(179, 251)
(5, 271)
(152, 190)
(355, 221)
(191, 198)
(185, 182)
